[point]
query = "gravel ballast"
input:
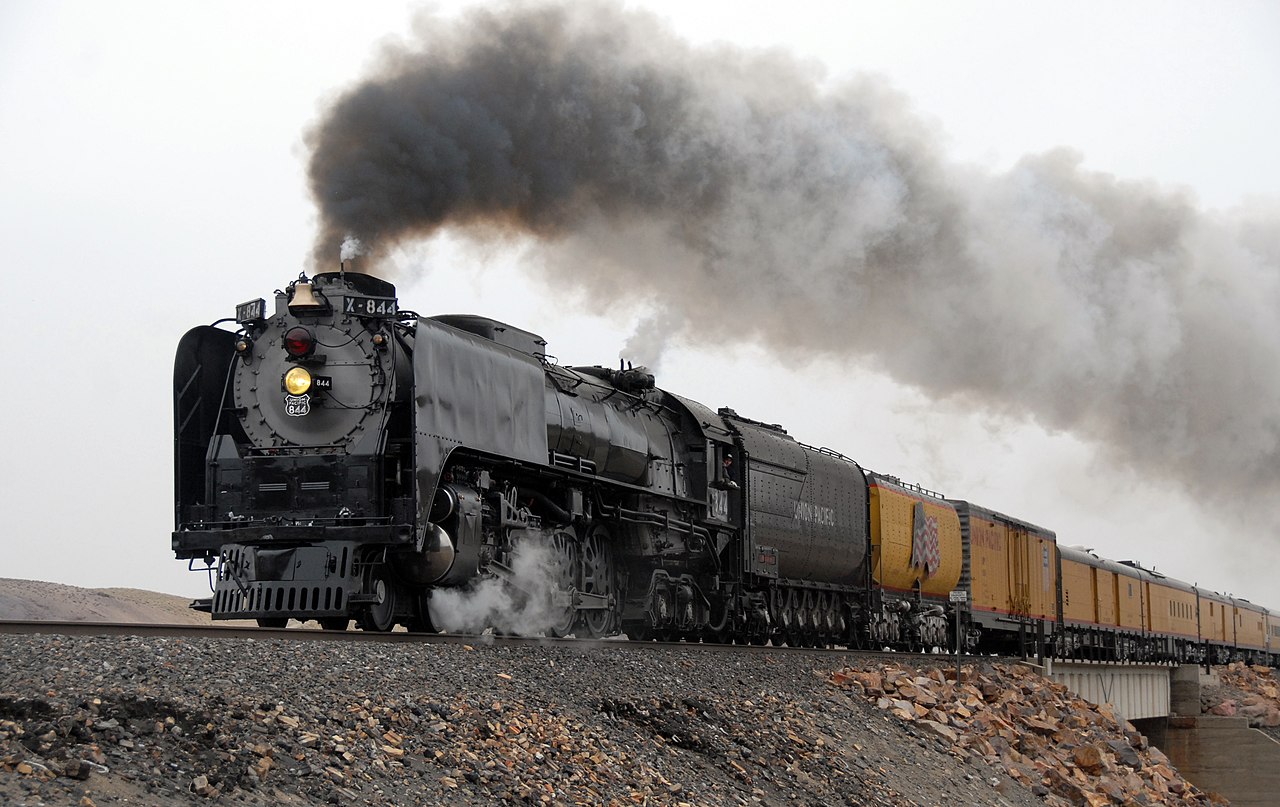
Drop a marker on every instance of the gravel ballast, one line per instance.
(180, 721)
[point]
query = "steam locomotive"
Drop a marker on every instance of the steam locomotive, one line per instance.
(339, 458)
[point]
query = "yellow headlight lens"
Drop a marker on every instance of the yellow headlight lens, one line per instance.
(297, 381)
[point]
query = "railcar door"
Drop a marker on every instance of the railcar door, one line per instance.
(1019, 546)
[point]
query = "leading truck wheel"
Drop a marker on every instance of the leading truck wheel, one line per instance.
(379, 615)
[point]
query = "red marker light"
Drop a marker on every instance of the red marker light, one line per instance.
(299, 342)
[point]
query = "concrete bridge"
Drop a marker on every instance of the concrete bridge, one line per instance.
(1135, 691)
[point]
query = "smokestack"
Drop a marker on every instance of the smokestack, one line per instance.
(737, 187)
(352, 271)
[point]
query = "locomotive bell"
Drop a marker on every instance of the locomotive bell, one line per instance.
(304, 299)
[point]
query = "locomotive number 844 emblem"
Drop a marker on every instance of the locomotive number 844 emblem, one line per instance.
(297, 405)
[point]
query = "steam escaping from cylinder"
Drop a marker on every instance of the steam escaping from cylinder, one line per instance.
(745, 196)
(522, 606)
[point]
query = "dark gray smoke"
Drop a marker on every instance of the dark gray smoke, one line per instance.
(738, 190)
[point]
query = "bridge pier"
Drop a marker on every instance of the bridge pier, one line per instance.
(1184, 694)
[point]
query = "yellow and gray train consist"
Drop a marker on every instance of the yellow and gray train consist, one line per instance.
(339, 458)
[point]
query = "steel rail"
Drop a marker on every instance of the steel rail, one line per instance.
(187, 631)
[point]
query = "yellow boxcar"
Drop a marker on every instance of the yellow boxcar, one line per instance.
(915, 538)
(1011, 569)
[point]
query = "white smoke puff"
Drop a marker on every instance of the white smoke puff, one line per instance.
(525, 608)
(651, 338)
(351, 248)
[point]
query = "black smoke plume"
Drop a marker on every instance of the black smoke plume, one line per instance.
(739, 189)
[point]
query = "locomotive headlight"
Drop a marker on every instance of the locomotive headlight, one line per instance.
(297, 381)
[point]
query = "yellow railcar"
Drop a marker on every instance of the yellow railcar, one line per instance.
(915, 539)
(1250, 630)
(915, 561)
(1215, 629)
(1011, 572)
(1088, 609)
(1173, 608)
(1120, 610)
(1080, 603)
(1129, 597)
(1173, 633)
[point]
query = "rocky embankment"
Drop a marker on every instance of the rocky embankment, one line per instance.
(194, 721)
(1039, 734)
(89, 721)
(1245, 691)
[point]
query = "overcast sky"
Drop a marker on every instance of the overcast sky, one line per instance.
(152, 175)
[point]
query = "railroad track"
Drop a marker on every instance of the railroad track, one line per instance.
(184, 631)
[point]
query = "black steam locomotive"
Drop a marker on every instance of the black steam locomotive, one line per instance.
(340, 458)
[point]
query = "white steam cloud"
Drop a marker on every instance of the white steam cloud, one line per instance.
(652, 337)
(526, 607)
(351, 248)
